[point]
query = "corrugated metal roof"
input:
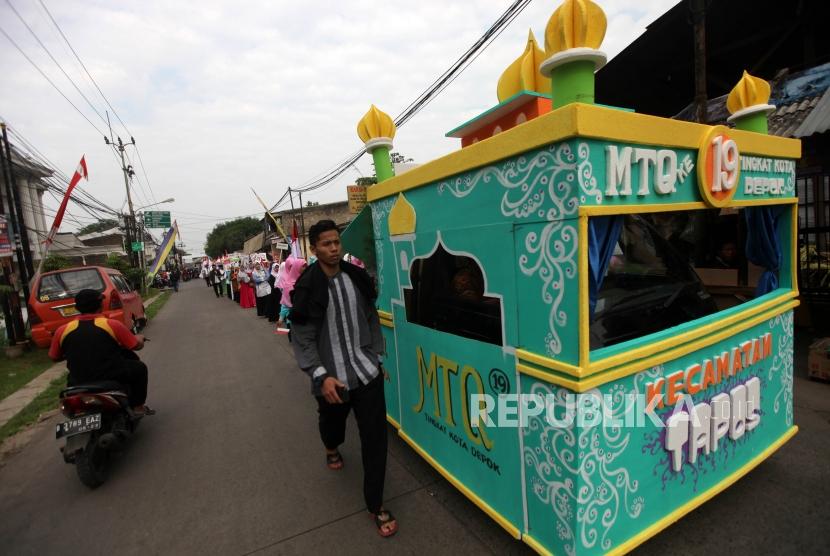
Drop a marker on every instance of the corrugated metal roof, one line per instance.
(785, 120)
(802, 105)
(818, 120)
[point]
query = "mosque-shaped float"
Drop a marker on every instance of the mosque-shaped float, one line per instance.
(538, 259)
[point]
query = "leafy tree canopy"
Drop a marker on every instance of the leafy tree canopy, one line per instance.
(230, 236)
(100, 226)
(55, 262)
(395, 158)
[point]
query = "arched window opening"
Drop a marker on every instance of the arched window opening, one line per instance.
(447, 294)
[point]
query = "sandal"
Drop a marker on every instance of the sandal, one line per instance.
(334, 461)
(385, 522)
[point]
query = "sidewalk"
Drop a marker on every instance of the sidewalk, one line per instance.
(14, 404)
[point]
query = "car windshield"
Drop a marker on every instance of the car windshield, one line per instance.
(63, 285)
(648, 287)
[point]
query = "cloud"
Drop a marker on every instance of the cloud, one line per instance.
(224, 95)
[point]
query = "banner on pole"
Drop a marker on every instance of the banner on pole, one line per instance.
(80, 172)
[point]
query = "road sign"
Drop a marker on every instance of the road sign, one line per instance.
(157, 219)
(138, 245)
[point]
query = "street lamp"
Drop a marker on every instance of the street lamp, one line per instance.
(170, 200)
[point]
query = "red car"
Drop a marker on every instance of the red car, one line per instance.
(52, 299)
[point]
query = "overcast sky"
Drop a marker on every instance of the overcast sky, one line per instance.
(221, 96)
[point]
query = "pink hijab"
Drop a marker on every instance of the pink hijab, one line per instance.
(294, 266)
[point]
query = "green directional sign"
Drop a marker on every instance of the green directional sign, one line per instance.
(157, 219)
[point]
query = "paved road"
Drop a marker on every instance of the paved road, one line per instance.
(232, 465)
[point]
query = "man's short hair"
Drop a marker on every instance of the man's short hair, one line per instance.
(88, 301)
(319, 228)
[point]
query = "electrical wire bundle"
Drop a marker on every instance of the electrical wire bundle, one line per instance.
(422, 100)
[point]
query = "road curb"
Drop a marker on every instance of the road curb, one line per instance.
(14, 404)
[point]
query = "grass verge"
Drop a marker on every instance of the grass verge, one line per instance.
(45, 401)
(16, 373)
(153, 309)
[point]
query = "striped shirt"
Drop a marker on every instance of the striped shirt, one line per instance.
(348, 328)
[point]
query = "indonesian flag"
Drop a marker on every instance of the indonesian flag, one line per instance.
(80, 172)
(295, 242)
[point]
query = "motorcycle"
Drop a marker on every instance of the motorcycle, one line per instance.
(100, 423)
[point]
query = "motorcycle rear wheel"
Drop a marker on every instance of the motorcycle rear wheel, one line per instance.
(91, 464)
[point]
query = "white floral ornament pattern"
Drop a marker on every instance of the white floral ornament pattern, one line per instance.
(380, 214)
(782, 365)
(560, 454)
(542, 186)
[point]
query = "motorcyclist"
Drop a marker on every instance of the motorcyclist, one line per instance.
(98, 349)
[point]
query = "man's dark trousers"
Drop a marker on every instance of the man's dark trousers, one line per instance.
(369, 405)
(217, 288)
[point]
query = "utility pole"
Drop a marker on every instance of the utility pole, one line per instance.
(10, 300)
(27, 269)
(302, 224)
(698, 9)
(17, 330)
(130, 224)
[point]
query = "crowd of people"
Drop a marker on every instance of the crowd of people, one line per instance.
(263, 285)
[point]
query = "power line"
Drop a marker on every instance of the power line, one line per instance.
(46, 77)
(422, 100)
(103, 96)
(31, 31)
(58, 176)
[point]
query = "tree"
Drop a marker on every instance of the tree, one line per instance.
(366, 181)
(55, 262)
(312, 203)
(395, 157)
(398, 158)
(100, 226)
(231, 236)
(122, 264)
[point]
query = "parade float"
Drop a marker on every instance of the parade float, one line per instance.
(526, 263)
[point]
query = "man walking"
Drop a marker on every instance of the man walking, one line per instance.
(338, 343)
(175, 276)
(216, 280)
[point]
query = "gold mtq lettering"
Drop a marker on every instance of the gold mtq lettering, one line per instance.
(428, 379)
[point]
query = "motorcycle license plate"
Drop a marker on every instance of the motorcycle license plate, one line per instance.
(79, 425)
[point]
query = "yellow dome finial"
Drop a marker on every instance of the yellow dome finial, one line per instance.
(750, 91)
(376, 124)
(572, 39)
(749, 104)
(523, 74)
(575, 24)
(401, 217)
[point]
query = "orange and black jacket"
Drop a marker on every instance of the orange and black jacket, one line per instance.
(93, 347)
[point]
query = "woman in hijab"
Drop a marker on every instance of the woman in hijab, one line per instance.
(294, 266)
(246, 288)
(263, 290)
(272, 307)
